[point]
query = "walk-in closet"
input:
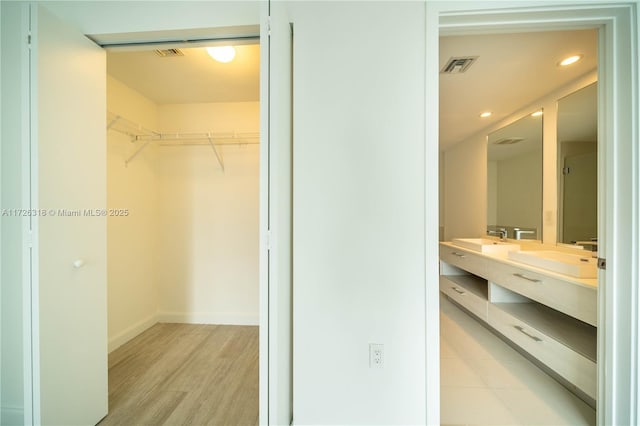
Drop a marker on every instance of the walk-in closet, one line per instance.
(182, 234)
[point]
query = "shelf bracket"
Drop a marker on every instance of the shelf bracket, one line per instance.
(215, 151)
(135, 154)
(114, 121)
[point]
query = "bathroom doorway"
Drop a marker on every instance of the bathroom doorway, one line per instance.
(477, 21)
(498, 144)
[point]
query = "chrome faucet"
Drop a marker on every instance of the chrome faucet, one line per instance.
(519, 232)
(502, 233)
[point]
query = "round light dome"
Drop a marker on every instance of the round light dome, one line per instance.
(570, 60)
(222, 53)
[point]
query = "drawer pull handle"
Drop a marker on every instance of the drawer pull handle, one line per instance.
(455, 253)
(457, 290)
(530, 336)
(524, 277)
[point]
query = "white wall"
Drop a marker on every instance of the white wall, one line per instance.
(465, 198)
(465, 189)
(132, 240)
(359, 246)
(208, 234)
(188, 250)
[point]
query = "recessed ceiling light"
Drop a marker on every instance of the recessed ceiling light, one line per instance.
(222, 53)
(536, 114)
(486, 114)
(570, 60)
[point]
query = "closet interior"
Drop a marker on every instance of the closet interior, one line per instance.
(182, 189)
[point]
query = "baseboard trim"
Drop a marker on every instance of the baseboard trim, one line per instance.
(131, 332)
(208, 318)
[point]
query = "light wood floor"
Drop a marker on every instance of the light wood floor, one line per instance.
(185, 374)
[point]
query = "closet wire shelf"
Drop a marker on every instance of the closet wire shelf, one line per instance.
(139, 133)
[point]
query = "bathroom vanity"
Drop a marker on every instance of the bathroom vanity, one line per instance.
(548, 316)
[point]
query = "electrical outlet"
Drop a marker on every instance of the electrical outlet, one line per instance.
(376, 355)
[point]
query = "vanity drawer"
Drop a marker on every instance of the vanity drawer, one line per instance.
(464, 260)
(466, 291)
(572, 366)
(575, 300)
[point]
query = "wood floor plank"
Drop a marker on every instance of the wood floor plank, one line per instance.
(185, 374)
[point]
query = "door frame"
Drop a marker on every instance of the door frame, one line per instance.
(618, 163)
(276, 215)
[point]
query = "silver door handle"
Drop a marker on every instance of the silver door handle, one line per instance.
(455, 253)
(524, 277)
(458, 290)
(530, 336)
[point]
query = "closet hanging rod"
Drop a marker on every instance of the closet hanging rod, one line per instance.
(237, 138)
(140, 133)
(198, 142)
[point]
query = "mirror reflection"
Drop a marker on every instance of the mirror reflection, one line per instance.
(514, 179)
(578, 168)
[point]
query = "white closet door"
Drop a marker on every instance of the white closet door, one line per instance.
(69, 177)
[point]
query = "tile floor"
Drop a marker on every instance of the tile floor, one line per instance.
(486, 382)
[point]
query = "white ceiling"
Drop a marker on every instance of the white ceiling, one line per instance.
(512, 71)
(191, 78)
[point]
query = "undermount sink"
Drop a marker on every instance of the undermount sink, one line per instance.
(485, 245)
(563, 263)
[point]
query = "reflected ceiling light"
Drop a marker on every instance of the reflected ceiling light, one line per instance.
(570, 60)
(222, 54)
(537, 114)
(486, 114)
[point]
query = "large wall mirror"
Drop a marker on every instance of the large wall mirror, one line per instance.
(578, 167)
(514, 179)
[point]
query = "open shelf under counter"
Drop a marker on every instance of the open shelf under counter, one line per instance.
(575, 334)
(469, 291)
(567, 355)
(472, 283)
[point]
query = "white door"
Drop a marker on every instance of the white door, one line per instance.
(276, 358)
(68, 183)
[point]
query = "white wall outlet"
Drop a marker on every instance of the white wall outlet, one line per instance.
(376, 355)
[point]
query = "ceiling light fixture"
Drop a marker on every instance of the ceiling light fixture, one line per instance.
(486, 114)
(222, 54)
(570, 60)
(536, 114)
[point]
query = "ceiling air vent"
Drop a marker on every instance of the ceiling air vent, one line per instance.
(458, 65)
(165, 53)
(508, 141)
